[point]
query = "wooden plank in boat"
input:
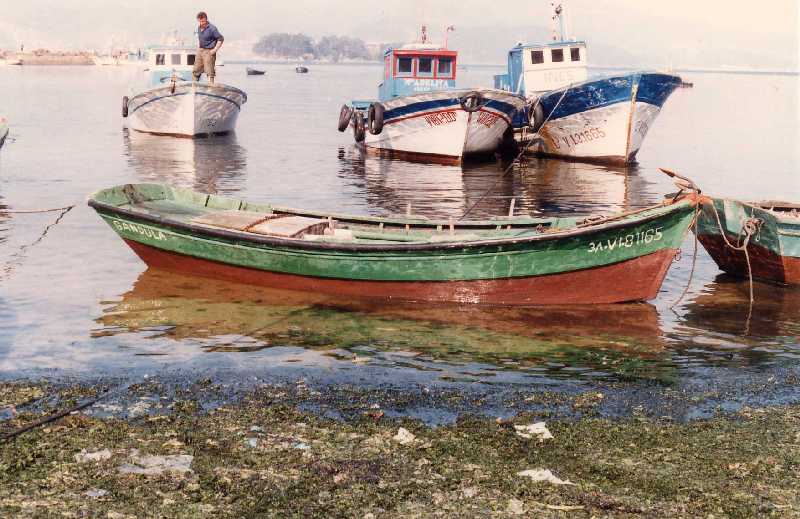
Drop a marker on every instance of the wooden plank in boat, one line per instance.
(290, 226)
(232, 219)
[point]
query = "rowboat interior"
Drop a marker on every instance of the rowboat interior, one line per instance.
(190, 208)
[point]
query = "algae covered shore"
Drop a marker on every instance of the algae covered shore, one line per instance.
(155, 450)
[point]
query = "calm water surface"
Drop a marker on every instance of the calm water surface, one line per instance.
(81, 303)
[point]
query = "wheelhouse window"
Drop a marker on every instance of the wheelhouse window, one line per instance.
(557, 55)
(159, 59)
(190, 59)
(175, 59)
(575, 53)
(537, 56)
(425, 67)
(445, 68)
(405, 67)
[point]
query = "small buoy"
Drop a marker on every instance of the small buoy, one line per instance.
(359, 127)
(345, 115)
(375, 118)
(125, 106)
(472, 102)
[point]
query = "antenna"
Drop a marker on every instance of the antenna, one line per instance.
(447, 30)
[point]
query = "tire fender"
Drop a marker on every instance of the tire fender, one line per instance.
(359, 127)
(345, 115)
(472, 102)
(375, 118)
(125, 106)
(536, 116)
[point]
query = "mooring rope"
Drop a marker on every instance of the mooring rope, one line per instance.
(9, 265)
(693, 227)
(518, 157)
(749, 227)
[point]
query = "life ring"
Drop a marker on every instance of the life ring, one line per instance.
(359, 127)
(535, 116)
(124, 106)
(375, 118)
(472, 102)
(345, 114)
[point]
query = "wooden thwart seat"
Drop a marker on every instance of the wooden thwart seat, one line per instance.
(264, 223)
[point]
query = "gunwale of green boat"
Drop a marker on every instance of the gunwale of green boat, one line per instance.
(179, 208)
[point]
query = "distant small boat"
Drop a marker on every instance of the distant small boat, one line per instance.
(508, 260)
(770, 231)
(255, 72)
(11, 61)
(301, 69)
(3, 130)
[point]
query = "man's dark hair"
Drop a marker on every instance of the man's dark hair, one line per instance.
(202, 15)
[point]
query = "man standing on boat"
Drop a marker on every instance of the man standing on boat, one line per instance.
(210, 42)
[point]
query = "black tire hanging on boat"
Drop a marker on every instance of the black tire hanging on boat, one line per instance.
(345, 115)
(472, 102)
(536, 116)
(125, 106)
(359, 127)
(375, 118)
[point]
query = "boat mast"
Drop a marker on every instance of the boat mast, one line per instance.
(559, 22)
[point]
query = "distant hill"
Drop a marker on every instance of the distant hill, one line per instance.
(329, 48)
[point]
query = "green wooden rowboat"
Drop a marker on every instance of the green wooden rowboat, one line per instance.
(770, 231)
(504, 261)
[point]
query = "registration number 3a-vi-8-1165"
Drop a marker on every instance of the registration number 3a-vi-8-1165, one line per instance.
(627, 241)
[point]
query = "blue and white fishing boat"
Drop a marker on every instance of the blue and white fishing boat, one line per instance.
(3, 130)
(174, 104)
(421, 114)
(603, 119)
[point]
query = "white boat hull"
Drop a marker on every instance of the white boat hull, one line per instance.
(188, 110)
(609, 134)
(434, 125)
(3, 131)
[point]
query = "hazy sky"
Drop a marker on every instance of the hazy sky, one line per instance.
(734, 29)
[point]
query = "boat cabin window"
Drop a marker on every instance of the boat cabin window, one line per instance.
(575, 53)
(445, 68)
(159, 59)
(557, 55)
(404, 66)
(190, 59)
(425, 67)
(537, 56)
(176, 59)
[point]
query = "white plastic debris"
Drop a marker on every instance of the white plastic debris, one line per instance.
(302, 446)
(543, 475)
(96, 492)
(256, 428)
(403, 436)
(83, 456)
(537, 430)
(515, 507)
(251, 442)
(155, 465)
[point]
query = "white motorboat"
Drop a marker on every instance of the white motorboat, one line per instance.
(3, 130)
(174, 104)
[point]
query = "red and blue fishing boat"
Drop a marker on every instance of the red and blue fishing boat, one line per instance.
(508, 260)
(602, 119)
(421, 113)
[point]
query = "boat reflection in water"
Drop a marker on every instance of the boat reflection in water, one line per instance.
(216, 164)
(602, 341)
(720, 321)
(544, 187)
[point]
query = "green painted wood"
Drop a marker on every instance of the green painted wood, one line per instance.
(779, 232)
(496, 255)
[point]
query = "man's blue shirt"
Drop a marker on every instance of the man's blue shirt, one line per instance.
(209, 36)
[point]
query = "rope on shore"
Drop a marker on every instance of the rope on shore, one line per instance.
(517, 158)
(53, 417)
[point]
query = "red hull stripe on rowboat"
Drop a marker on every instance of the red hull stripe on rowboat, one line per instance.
(638, 279)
